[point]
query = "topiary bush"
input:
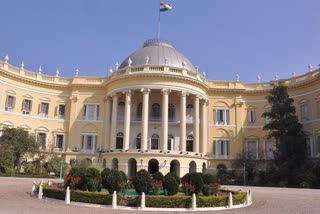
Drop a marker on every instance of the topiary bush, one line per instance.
(111, 180)
(158, 176)
(192, 183)
(170, 183)
(142, 182)
(93, 179)
(210, 184)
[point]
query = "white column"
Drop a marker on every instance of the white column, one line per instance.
(204, 126)
(114, 121)
(164, 119)
(196, 124)
(183, 107)
(127, 113)
(107, 123)
(145, 113)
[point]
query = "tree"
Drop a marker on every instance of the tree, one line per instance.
(20, 143)
(285, 128)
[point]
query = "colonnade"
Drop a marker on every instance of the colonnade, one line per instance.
(200, 120)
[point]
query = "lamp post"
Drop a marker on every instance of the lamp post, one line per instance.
(61, 165)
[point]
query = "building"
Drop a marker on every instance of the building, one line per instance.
(154, 112)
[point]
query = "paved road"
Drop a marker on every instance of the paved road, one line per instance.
(15, 198)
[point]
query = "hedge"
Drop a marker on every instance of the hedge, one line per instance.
(182, 201)
(80, 196)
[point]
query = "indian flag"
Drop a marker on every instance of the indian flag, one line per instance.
(165, 7)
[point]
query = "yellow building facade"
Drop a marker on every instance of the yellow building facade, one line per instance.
(155, 111)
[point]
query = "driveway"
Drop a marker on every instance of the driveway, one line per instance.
(15, 198)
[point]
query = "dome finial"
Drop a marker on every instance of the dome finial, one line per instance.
(6, 58)
(147, 60)
(57, 72)
(129, 62)
(310, 67)
(40, 69)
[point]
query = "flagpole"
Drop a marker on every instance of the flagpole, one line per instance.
(158, 36)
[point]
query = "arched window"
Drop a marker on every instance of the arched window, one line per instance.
(138, 141)
(121, 106)
(139, 112)
(190, 143)
(155, 114)
(170, 142)
(155, 141)
(114, 163)
(104, 163)
(119, 141)
(171, 112)
(192, 166)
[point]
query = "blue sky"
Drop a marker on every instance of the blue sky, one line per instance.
(223, 37)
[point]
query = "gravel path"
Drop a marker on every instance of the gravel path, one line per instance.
(15, 198)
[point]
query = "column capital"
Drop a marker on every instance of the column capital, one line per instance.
(205, 101)
(106, 98)
(165, 91)
(127, 92)
(196, 97)
(145, 90)
(114, 95)
(183, 93)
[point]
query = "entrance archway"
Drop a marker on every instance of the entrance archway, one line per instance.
(114, 163)
(204, 168)
(175, 167)
(153, 166)
(132, 167)
(192, 166)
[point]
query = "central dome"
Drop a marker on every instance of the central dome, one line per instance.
(158, 52)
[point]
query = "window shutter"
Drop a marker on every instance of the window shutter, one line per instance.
(56, 110)
(84, 111)
(23, 105)
(39, 108)
(46, 108)
(7, 101)
(82, 141)
(13, 102)
(98, 108)
(95, 142)
(227, 148)
(253, 116)
(249, 117)
(227, 115)
(214, 147)
(215, 116)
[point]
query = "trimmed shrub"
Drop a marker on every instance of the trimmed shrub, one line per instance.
(239, 198)
(160, 201)
(209, 178)
(93, 179)
(170, 184)
(211, 201)
(192, 183)
(158, 176)
(142, 182)
(111, 180)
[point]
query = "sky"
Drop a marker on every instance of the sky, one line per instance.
(223, 37)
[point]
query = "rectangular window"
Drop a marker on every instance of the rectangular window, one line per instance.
(88, 143)
(26, 106)
(59, 141)
(42, 139)
(91, 112)
(252, 149)
(221, 116)
(251, 117)
(304, 112)
(308, 147)
(269, 147)
(318, 147)
(44, 109)
(10, 103)
(61, 111)
(221, 149)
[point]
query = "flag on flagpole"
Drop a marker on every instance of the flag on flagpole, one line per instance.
(165, 7)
